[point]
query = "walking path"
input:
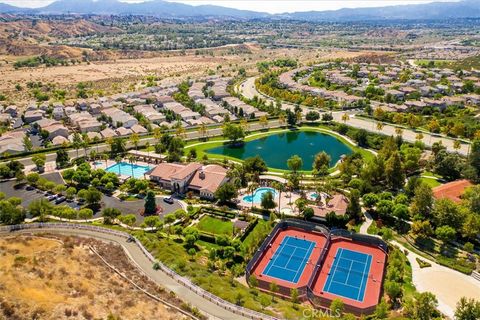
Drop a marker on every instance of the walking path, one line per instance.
(437, 279)
(137, 256)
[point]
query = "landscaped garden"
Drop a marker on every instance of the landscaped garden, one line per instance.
(215, 226)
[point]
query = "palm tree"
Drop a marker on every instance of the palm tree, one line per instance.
(419, 136)
(85, 144)
(110, 143)
(280, 187)
(244, 124)
(202, 130)
(345, 117)
(379, 126)
(263, 121)
(105, 157)
(399, 131)
(96, 140)
(281, 119)
(118, 159)
(135, 139)
(457, 145)
(147, 145)
(251, 188)
(180, 131)
(132, 159)
(77, 141)
(157, 134)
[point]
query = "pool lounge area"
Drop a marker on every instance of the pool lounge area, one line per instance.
(256, 198)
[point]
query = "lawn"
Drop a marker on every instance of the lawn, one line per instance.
(432, 183)
(202, 148)
(215, 226)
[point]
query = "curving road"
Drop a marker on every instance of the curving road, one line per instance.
(248, 90)
(144, 264)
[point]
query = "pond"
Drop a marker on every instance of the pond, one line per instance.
(276, 149)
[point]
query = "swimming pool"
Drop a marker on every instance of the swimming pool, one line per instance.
(128, 169)
(257, 195)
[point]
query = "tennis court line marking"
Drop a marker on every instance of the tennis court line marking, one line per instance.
(339, 251)
(303, 264)
(363, 278)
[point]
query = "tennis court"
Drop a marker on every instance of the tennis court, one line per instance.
(290, 259)
(349, 274)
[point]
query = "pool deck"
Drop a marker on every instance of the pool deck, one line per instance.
(287, 201)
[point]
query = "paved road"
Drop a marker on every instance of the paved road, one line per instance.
(144, 264)
(248, 89)
(191, 135)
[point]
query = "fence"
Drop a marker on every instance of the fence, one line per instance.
(181, 280)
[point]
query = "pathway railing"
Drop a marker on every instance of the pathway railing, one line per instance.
(175, 276)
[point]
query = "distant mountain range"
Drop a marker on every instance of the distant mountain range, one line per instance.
(160, 8)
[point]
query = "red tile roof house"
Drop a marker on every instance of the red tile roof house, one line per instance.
(452, 190)
(337, 204)
(180, 178)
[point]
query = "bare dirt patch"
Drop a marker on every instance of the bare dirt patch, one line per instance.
(48, 278)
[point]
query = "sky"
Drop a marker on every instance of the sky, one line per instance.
(271, 6)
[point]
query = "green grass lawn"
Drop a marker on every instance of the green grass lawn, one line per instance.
(203, 147)
(214, 225)
(432, 183)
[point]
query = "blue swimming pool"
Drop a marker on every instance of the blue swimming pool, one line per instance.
(128, 169)
(257, 195)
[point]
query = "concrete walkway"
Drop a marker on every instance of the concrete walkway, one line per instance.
(143, 263)
(446, 284)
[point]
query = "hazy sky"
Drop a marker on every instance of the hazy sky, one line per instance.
(272, 6)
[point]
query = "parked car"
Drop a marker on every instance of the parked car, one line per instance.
(29, 188)
(51, 197)
(168, 200)
(60, 200)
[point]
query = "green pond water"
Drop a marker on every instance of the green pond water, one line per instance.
(278, 148)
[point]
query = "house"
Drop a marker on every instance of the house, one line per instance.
(138, 129)
(122, 131)
(451, 190)
(11, 110)
(59, 140)
(12, 142)
(56, 130)
(58, 112)
(120, 118)
(94, 135)
(150, 113)
(33, 115)
(337, 204)
(196, 91)
(396, 94)
(108, 133)
(85, 122)
(181, 178)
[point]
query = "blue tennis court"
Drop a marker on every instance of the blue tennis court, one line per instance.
(290, 259)
(349, 274)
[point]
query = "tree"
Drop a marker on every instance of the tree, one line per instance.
(393, 289)
(254, 165)
(280, 188)
(128, 219)
(253, 281)
(226, 192)
(27, 143)
(32, 178)
(354, 210)
(445, 233)
(337, 307)
(274, 289)
(110, 214)
(39, 161)
(295, 163)
(422, 202)
(93, 196)
(62, 159)
(448, 213)
(85, 213)
(467, 309)
(151, 221)
(150, 204)
(423, 307)
(422, 229)
(312, 116)
(267, 201)
(40, 208)
(308, 213)
(369, 200)
(294, 295)
(321, 163)
(233, 132)
(77, 142)
(361, 137)
(263, 121)
(10, 212)
(394, 172)
(381, 311)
